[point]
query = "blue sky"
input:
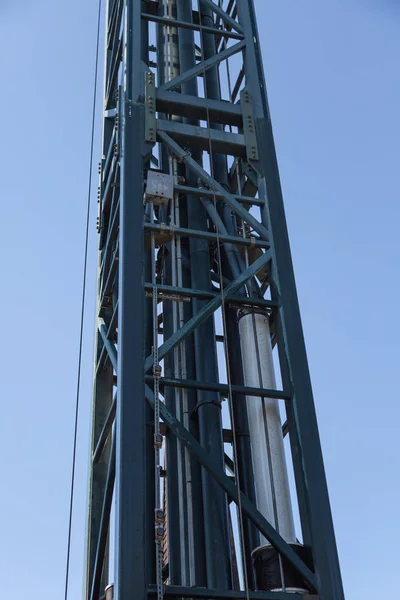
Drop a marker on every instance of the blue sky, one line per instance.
(334, 90)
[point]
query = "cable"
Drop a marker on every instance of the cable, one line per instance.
(78, 383)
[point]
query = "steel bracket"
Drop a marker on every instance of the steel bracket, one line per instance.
(150, 108)
(249, 125)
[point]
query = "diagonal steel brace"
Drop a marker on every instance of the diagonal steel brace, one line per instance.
(202, 67)
(231, 489)
(214, 185)
(224, 16)
(206, 311)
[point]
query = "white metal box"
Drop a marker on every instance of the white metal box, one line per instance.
(159, 188)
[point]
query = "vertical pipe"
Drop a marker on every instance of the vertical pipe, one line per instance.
(243, 448)
(270, 472)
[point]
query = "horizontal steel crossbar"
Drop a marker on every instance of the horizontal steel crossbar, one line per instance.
(200, 138)
(170, 231)
(176, 591)
(191, 293)
(192, 26)
(193, 107)
(223, 388)
(201, 191)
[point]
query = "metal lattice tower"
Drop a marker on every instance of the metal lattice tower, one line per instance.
(198, 319)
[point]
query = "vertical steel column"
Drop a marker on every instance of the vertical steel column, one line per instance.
(187, 61)
(216, 534)
(209, 414)
(212, 86)
(132, 463)
(311, 485)
(220, 172)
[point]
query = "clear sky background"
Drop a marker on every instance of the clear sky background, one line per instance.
(334, 88)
